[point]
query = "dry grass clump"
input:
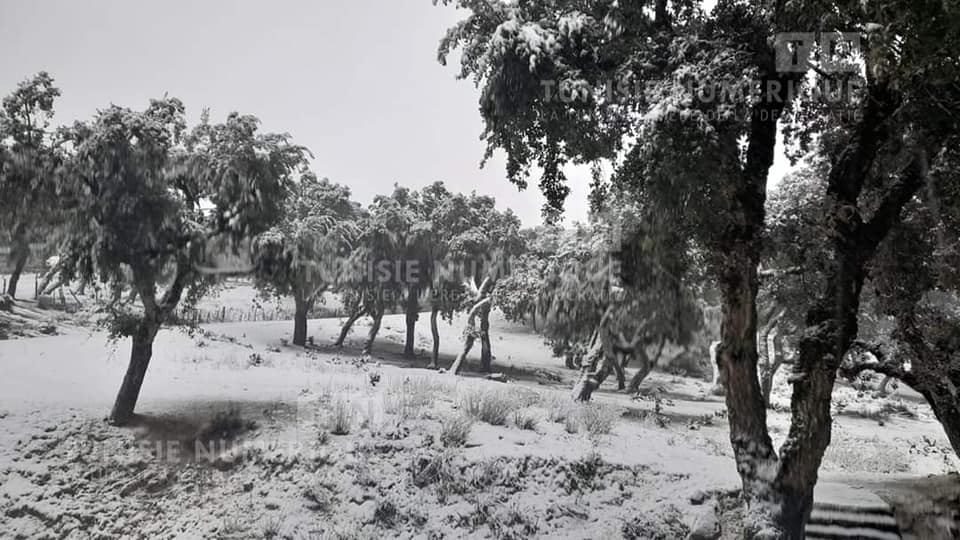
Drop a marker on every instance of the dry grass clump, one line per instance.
(341, 416)
(411, 396)
(526, 419)
(490, 406)
(455, 430)
(595, 419)
(559, 408)
(666, 524)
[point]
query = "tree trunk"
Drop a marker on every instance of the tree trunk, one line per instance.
(347, 325)
(647, 366)
(412, 309)
(435, 356)
(774, 361)
(945, 401)
(719, 384)
(300, 321)
(470, 335)
(486, 354)
(374, 329)
(140, 354)
(737, 360)
(19, 254)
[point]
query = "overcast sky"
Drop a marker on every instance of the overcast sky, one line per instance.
(355, 81)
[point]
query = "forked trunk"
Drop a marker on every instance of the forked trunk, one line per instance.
(345, 329)
(140, 354)
(486, 354)
(412, 308)
(300, 321)
(435, 356)
(374, 329)
(470, 335)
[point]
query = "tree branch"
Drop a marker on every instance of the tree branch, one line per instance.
(884, 364)
(889, 212)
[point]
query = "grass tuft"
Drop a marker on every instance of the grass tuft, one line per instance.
(341, 417)
(455, 430)
(490, 406)
(526, 419)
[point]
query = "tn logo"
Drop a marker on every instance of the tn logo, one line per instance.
(836, 51)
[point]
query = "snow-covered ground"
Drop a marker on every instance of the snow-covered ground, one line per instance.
(269, 465)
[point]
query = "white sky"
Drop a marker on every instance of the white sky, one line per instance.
(355, 81)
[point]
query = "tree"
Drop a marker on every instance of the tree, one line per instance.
(388, 266)
(148, 197)
(27, 161)
(914, 284)
(481, 244)
(301, 257)
(689, 145)
(609, 295)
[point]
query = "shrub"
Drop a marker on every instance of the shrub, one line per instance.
(455, 429)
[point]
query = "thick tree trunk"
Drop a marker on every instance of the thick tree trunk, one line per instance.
(935, 370)
(140, 354)
(737, 361)
(374, 329)
(412, 309)
(347, 325)
(486, 353)
(300, 321)
(435, 333)
(944, 399)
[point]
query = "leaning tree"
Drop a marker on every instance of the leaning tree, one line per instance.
(302, 255)
(28, 158)
(687, 104)
(147, 197)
